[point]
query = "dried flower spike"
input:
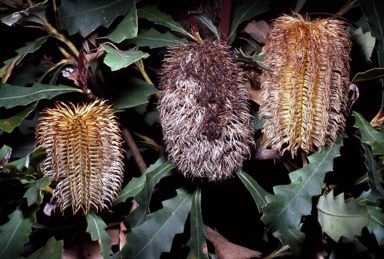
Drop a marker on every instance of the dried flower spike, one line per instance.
(84, 155)
(305, 99)
(204, 111)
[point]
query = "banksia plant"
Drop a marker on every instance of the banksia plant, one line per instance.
(204, 111)
(84, 158)
(304, 99)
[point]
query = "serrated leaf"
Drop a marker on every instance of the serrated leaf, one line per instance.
(374, 179)
(118, 59)
(53, 249)
(29, 163)
(15, 233)
(366, 42)
(198, 240)
(257, 192)
(373, 11)
(153, 175)
(153, 14)
(369, 135)
(155, 235)
(30, 47)
(339, 217)
(28, 15)
(134, 187)
(12, 95)
(292, 201)
(154, 39)
(371, 74)
(9, 124)
(127, 28)
(246, 11)
(34, 194)
(136, 93)
(96, 228)
(294, 238)
(85, 16)
(376, 223)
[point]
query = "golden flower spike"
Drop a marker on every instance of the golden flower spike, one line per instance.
(204, 111)
(84, 155)
(305, 99)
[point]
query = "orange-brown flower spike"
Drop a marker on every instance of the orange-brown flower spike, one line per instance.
(304, 99)
(84, 159)
(204, 111)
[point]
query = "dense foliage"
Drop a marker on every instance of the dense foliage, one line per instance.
(327, 204)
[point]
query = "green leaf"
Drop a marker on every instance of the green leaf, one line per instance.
(299, 5)
(30, 47)
(209, 24)
(53, 249)
(134, 187)
(369, 135)
(293, 237)
(15, 233)
(28, 15)
(153, 175)
(12, 95)
(375, 16)
(257, 192)
(5, 154)
(155, 235)
(366, 42)
(198, 240)
(376, 223)
(29, 164)
(34, 194)
(96, 228)
(376, 191)
(153, 14)
(373, 73)
(127, 28)
(84, 16)
(246, 11)
(135, 93)
(339, 217)
(154, 39)
(118, 59)
(9, 124)
(292, 201)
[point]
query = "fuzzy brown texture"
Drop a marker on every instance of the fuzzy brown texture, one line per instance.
(84, 155)
(204, 111)
(305, 98)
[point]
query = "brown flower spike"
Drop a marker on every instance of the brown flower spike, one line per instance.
(304, 99)
(84, 155)
(204, 111)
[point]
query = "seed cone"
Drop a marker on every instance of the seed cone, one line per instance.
(204, 111)
(304, 101)
(84, 155)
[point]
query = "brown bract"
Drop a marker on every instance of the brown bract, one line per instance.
(204, 111)
(305, 98)
(84, 158)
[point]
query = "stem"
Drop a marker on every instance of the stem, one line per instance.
(140, 67)
(225, 22)
(62, 38)
(48, 189)
(135, 151)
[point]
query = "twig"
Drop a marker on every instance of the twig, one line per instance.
(135, 151)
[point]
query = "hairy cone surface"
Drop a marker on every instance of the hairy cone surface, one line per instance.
(84, 155)
(304, 101)
(204, 111)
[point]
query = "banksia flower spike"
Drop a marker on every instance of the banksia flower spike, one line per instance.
(305, 98)
(84, 155)
(204, 111)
